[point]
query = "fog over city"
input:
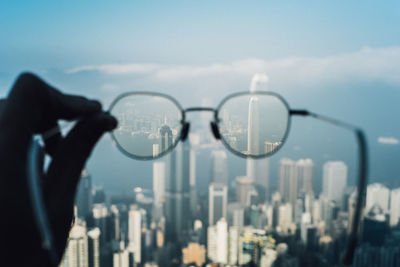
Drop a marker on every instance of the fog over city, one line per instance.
(200, 204)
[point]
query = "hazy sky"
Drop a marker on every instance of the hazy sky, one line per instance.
(339, 58)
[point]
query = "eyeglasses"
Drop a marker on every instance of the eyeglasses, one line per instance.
(249, 124)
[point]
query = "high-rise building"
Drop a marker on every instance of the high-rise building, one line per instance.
(236, 214)
(159, 172)
(253, 127)
(177, 193)
(217, 242)
(115, 226)
(288, 181)
(100, 215)
(219, 167)
(394, 207)
(334, 180)
(76, 253)
(258, 170)
(285, 217)
(135, 233)
(244, 185)
(222, 241)
(166, 138)
(84, 198)
(94, 247)
(305, 170)
(217, 202)
(377, 194)
(233, 245)
(352, 202)
(194, 198)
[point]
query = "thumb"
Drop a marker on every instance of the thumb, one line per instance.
(65, 169)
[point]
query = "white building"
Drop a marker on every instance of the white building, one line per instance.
(135, 233)
(159, 172)
(377, 194)
(285, 218)
(222, 241)
(305, 171)
(233, 245)
(217, 242)
(94, 247)
(394, 206)
(76, 253)
(334, 180)
(217, 201)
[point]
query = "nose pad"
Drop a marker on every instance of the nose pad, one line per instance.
(185, 131)
(215, 131)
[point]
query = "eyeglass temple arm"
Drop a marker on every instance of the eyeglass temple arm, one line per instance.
(347, 258)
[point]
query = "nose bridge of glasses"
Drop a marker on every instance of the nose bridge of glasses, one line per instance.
(213, 124)
(193, 109)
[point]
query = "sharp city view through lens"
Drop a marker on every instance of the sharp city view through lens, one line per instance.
(197, 202)
(253, 124)
(148, 125)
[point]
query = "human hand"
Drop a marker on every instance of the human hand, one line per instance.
(33, 107)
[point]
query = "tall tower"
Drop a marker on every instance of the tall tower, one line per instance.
(305, 170)
(135, 233)
(177, 193)
(219, 167)
(84, 200)
(334, 180)
(256, 169)
(253, 127)
(394, 206)
(159, 172)
(288, 181)
(377, 194)
(94, 247)
(166, 137)
(76, 253)
(218, 201)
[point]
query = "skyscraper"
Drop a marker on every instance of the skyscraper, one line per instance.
(94, 247)
(76, 253)
(177, 193)
(305, 170)
(288, 182)
(253, 127)
(100, 214)
(166, 138)
(159, 172)
(244, 185)
(377, 194)
(222, 241)
(135, 233)
(84, 200)
(218, 201)
(219, 167)
(334, 180)
(394, 206)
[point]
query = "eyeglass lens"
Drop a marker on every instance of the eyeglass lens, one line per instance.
(250, 125)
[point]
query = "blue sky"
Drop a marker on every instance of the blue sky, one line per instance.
(48, 34)
(340, 58)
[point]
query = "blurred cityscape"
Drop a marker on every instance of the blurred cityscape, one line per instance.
(243, 223)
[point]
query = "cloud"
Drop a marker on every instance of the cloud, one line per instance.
(367, 64)
(117, 69)
(388, 140)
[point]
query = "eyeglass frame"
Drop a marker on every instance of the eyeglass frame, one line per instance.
(184, 131)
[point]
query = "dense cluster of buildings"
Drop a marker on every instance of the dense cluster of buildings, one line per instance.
(236, 223)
